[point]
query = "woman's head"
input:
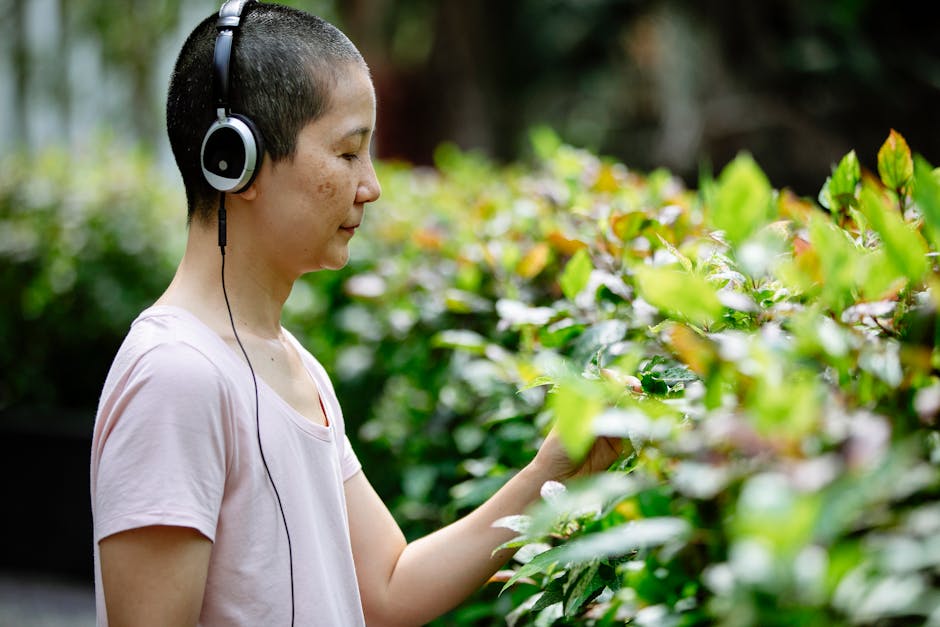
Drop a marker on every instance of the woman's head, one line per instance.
(285, 65)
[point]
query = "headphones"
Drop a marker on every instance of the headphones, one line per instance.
(232, 149)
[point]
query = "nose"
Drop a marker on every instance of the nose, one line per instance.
(369, 188)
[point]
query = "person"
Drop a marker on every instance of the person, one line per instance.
(224, 489)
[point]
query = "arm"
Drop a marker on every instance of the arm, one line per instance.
(154, 575)
(157, 477)
(410, 584)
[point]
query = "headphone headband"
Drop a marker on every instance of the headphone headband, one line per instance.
(230, 16)
(233, 9)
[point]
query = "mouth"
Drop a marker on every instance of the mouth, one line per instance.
(349, 229)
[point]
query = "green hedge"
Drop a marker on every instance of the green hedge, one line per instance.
(770, 358)
(85, 243)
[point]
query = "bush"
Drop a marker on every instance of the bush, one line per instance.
(770, 359)
(85, 244)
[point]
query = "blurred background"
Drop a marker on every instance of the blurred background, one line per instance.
(679, 84)
(671, 83)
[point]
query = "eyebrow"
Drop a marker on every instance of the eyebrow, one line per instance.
(362, 130)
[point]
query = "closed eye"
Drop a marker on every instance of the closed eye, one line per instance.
(350, 156)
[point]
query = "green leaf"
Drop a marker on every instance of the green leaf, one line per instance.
(461, 301)
(903, 246)
(545, 142)
(927, 197)
(824, 198)
(664, 380)
(538, 382)
(519, 523)
(895, 165)
(877, 275)
(460, 339)
(683, 260)
(583, 587)
(544, 562)
(688, 296)
(575, 403)
(558, 334)
(554, 593)
(742, 200)
(597, 337)
(839, 260)
(623, 539)
(775, 514)
(843, 182)
(576, 274)
(584, 497)
(786, 405)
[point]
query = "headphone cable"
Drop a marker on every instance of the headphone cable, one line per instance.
(254, 380)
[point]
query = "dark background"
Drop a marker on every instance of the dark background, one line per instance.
(675, 83)
(678, 84)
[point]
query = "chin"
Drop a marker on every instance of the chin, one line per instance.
(334, 264)
(335, 259)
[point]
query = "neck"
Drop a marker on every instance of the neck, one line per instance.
(255, 292)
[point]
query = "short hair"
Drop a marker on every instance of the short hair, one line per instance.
(285, 65)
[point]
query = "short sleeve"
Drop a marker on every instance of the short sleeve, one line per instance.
(349, 463)
(162, 444)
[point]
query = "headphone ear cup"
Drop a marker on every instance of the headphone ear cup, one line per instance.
(231, 154)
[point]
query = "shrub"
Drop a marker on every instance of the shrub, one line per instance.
(85, 244)
(770, 359)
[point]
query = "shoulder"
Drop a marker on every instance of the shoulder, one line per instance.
(169, 350)
(168, 390)
(177, 365)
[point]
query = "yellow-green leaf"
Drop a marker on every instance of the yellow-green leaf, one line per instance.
(904, 248)
(545, 142)
(681, 294)
(878, 277)
(742, 200)
(575, 403)
(576, 274)
(927, 197)
(844, 180)
(895, 164)
(839, 260)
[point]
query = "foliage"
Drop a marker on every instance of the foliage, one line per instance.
(84, 246)
(770, 359)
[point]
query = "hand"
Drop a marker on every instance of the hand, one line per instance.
(554, 463)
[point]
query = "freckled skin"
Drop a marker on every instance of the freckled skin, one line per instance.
(313, 201)
(327, 189)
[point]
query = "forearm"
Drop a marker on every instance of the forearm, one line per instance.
(437, 572)
(410, 584)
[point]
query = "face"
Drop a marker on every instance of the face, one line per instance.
(312, 204)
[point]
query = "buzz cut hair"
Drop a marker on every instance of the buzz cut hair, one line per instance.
(285, 65)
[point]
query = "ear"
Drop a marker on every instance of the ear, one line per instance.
(250, 192)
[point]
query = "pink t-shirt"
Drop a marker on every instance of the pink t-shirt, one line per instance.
(175, 443)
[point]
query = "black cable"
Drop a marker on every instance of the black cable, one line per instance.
(254, 380)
